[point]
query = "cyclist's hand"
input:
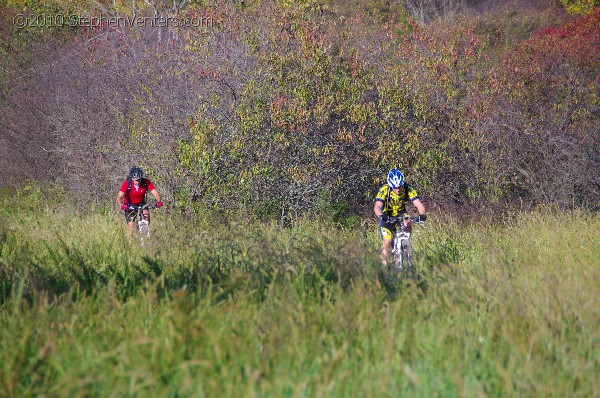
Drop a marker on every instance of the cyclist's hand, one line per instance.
(159, 204)
(422, 217)
(384, 217)
(123, 207)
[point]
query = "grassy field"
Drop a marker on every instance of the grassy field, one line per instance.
(217, 308)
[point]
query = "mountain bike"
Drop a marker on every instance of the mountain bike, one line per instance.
(143, 225)
(402, 250)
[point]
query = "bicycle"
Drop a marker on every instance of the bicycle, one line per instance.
(143, 225)
(402, 250)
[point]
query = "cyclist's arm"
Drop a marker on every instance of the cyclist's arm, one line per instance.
(378, 208)
(156, 195)
(120, 198)
(419, 205)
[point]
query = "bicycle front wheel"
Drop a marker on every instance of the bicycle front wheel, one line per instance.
(396, 256)
(408, 258)
(144, 229)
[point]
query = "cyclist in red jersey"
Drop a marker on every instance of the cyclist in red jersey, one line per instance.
(133, 192)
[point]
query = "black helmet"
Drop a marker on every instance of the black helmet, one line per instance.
(136, 173)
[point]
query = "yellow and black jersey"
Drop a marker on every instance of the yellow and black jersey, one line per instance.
(394, 205)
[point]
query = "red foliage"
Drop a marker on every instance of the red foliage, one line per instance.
(577, 41)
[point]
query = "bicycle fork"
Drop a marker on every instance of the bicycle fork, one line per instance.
(401, 248)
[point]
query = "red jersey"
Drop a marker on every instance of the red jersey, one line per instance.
(136, 194)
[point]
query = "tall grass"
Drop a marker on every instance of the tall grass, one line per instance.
(216, 308)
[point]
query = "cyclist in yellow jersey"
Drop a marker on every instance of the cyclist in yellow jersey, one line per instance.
(390, 202)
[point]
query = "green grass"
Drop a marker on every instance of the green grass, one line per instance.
(253, 309)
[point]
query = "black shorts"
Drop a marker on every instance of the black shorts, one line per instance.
(386, 229)
(131, 215)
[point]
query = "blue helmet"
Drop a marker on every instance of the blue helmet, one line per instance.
(395, 178)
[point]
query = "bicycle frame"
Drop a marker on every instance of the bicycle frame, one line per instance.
(402, 252)
(143, 225)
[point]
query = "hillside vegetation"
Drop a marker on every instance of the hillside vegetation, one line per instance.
(272, 108)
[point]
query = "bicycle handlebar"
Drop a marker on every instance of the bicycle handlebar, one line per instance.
(415, 220)
(141, 207)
